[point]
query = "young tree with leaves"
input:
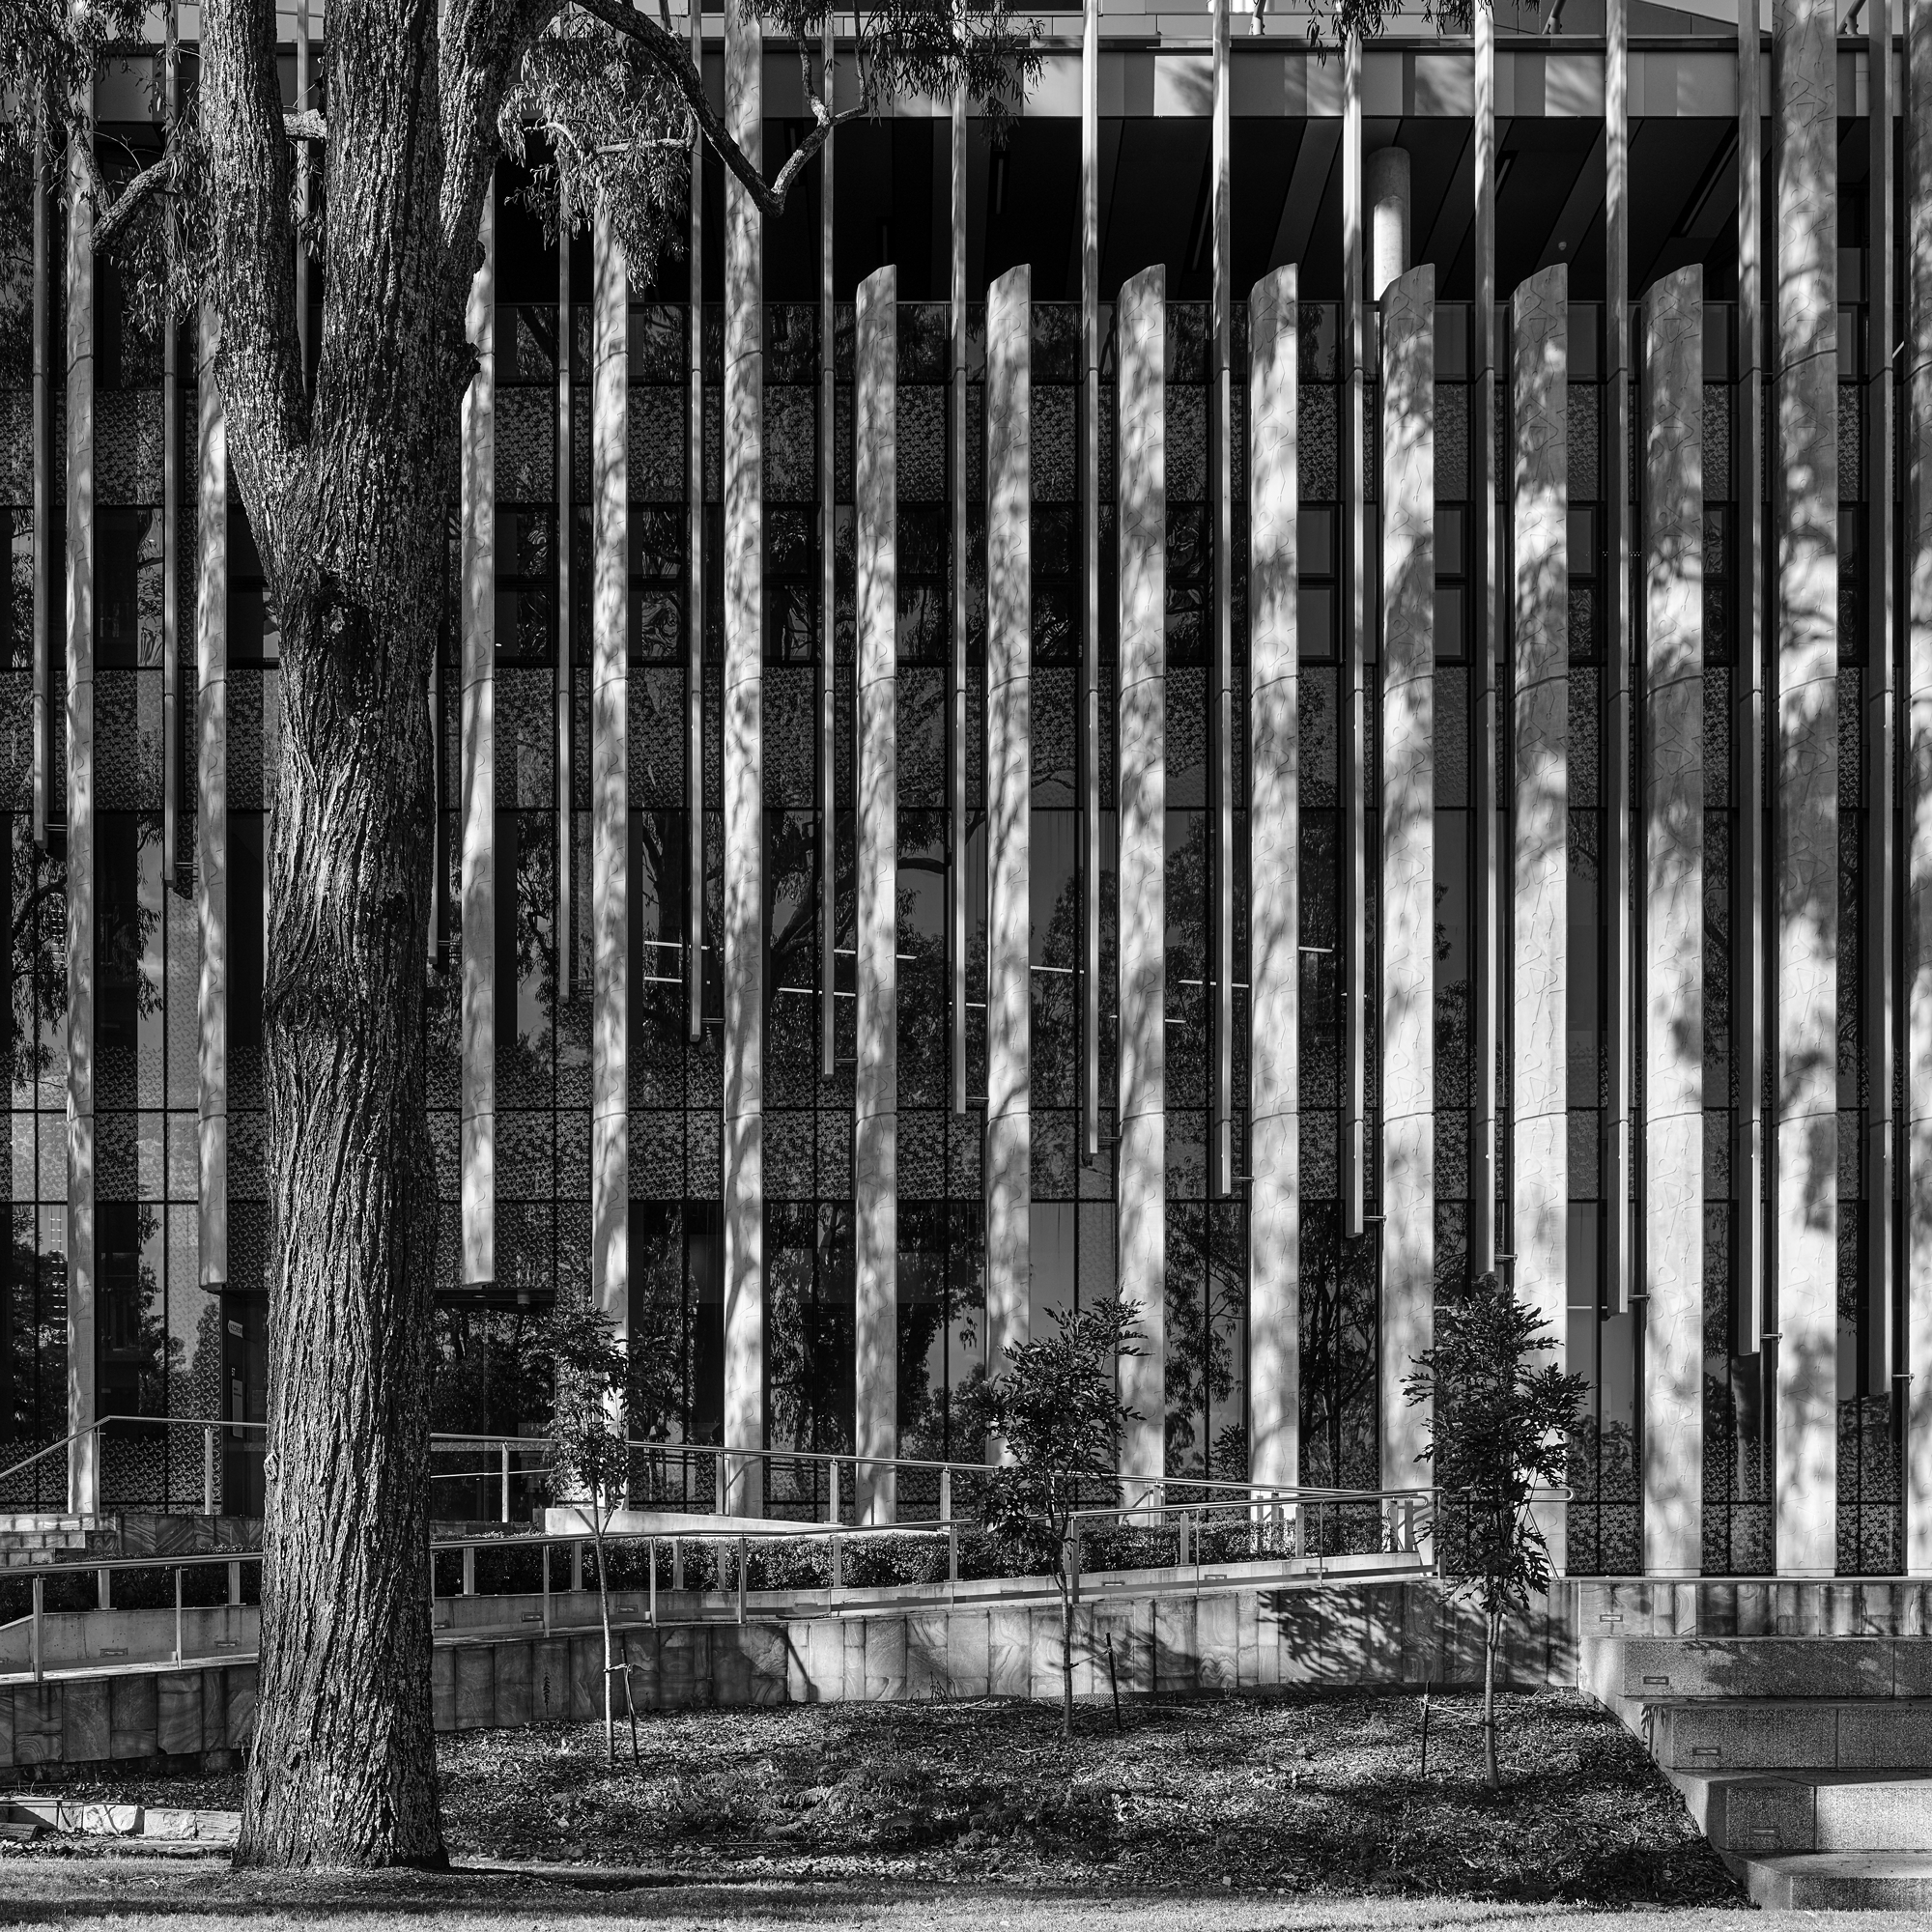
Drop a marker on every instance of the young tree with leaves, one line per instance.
(1498, 1429)
(588, 1459)
(1056, 1408)
(348, 479)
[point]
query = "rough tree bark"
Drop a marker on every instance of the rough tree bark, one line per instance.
(347, 486)
(347, 495)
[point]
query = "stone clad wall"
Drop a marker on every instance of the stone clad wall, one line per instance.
(1374, 1636)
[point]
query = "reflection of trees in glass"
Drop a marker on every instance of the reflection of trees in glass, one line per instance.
(37, 957)
(490, 1369)
(1056, 994)
(35, 1410)
(1736, 1490)
(792, 855)
(1203, 1323)
(942, 1331)
(660, 1341)
(524, 1048)
(16, 267)
(134, 1325)
(808, 1327)
(128, 923)
(923, 1404)
(1339, 1443)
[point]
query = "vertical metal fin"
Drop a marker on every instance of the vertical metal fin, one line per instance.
(1090, 606)
(956, 458)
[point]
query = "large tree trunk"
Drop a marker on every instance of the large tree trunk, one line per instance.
(343, 1767)
(349, 498)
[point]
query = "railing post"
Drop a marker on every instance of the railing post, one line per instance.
(741, 1579)
(39, 1616)
(577, 1563)
(469, 1569)
(837, 1563)
(951, 1551)
(545, 1554)
(506, 1480)
(832, 1489)
(178, 1615)
(718, 1482)
(677, 1564)
(946, 1495)
(651, 1562)
(207, 1470)
(103, 1589)
(235, 1582)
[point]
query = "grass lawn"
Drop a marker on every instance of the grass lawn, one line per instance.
(1277, 1800)
(147, 1895)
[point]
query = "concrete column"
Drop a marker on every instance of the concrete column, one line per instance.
(1485, 859)
(84, 1454)
(1409, 860)
(211, 816)
(1387, 191)
(744, 771)
(693, 624)
(1221, 723)
(1805, 380)
(1673, 925)
(1748, 982)
(42, 476)
(1539, 1164)
(876, 1080)
(610, 803)
(955, 461)
(1274, 898)
(1141, 1178)
(1008, 816)
(1876, 945)
(1620, 723)
(1354, 675)
(828, 600)
(1918, 951)
(479, 773)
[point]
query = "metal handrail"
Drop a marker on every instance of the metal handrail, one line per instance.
(742, 1539)
(716, 1455)
(517, 1452)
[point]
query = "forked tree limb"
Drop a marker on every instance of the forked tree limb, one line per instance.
(671, 55)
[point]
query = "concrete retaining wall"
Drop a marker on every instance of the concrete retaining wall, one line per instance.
(1376, 1635)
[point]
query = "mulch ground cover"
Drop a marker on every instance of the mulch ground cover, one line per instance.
(1298, 1796)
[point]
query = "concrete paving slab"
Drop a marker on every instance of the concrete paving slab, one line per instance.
(1657, 1668)
(1839, 1881)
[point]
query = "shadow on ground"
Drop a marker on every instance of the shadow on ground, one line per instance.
(1302, 1797)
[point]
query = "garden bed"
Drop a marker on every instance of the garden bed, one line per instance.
(1317, 1795)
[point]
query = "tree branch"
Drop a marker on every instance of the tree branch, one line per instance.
(307, 125)
(671, 55)
(113, 216)
(45, 889)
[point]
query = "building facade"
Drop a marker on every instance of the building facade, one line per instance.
(1309, 677)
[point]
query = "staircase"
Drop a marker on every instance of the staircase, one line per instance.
(1805, 1756)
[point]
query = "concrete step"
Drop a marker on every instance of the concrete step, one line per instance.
(1838, 1881)
(1769, 1814)
(1657, 1670)
(1807, 1734)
